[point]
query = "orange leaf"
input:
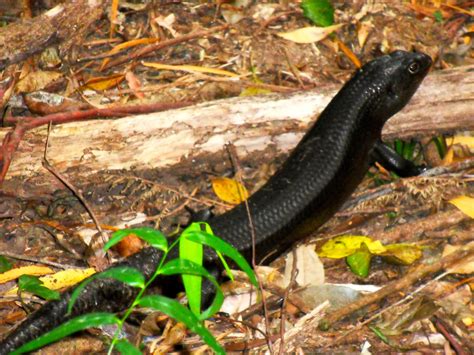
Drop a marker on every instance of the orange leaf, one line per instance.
(126, 45)
(103, 82)
(113, 16)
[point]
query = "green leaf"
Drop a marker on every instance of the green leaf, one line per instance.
(177, 311)
(321, 12)
(199, 227)
(153, 237)
(359, 262)
(124, 347)
(441, 146)
(68, 328)
(33, 285)
(183, 266)
(398, 146)
(380, 334)
(125, 274)
(438, 16)
(192, 251)
(224, 248)
(5, 265)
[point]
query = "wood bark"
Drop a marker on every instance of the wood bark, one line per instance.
(64, 24)
(444, 103)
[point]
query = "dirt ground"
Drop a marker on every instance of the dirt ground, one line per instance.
(244, 39)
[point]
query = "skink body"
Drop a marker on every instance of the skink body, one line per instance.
(320, 174)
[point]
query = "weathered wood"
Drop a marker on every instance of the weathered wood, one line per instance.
(443, 104)
(64, 24)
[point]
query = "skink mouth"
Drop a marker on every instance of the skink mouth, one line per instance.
(425, 61)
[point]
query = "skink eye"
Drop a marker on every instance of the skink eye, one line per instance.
(414, 67)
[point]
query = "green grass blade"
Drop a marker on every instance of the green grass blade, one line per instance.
(192, 251)
(224, 248)
(124, 347)
(183, 266)
(152, 236)
(68, 328)
(177, 311)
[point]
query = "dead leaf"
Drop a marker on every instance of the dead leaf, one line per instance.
(309, 266)
(229, 190)
(167, 22)
(60, 280)
(134, 84)
(103, 82)
(37, 80)
(363, 32)
(309, 34)
(25, 270)
(190, 69)
(463, 267)
(234, 12)
(465, 204)
(129, 245)
(125, 45)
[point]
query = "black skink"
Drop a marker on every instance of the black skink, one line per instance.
(320, 174)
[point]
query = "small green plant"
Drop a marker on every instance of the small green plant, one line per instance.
(441, 146)
(407, 150)
(438, 16)
(189, 265)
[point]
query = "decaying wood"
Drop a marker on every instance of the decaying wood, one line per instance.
(443, 104)
(63, 24)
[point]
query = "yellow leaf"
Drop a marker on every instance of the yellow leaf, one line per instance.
(402, 254)
(229, 190)
(25, 270)
(346, 245)
(252, 91)
(309, 34)
(465, 204)
(59, 280)
(448, 157)
(464, 140)
(104, 82)
(190, 69)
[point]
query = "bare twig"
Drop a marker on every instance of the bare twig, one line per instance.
(441, 326)
(37, 260)
(73, 189)
(285, 301)
(236, 164)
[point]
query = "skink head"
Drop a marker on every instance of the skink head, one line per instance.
(396, 77)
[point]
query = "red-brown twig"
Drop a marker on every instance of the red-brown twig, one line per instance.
(147, 50)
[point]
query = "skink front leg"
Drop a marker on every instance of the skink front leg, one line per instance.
(391, 160)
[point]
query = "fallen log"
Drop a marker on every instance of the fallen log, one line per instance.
(443, 104)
